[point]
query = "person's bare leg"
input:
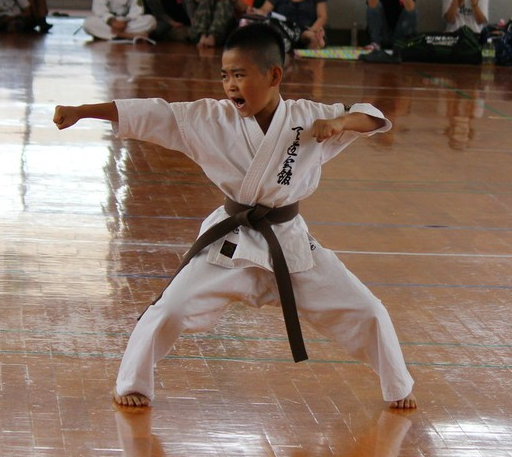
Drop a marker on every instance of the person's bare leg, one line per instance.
(209, 41)
(408, 402)
(320, 35)
(132, 399)
(39, 11)
(206, 41)
(310, 39)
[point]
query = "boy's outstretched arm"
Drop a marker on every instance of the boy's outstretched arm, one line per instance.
(358, 122)
(66, 116)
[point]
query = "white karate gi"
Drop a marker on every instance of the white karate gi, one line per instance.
(274, 169)
(465, 15)
(131, 11)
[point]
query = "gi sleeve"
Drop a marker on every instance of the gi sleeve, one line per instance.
(151, 120)
(335, 145)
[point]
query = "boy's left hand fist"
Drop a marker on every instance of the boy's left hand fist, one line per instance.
(325, 128)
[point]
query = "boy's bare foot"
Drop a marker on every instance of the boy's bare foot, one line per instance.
(133, 399)
(408, 402)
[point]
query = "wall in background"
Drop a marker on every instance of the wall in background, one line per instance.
(343, 13)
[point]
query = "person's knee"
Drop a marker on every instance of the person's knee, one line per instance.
(374, 7)
(409, 22)
(164, 312)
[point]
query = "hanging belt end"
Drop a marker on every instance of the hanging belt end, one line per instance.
(300, 357)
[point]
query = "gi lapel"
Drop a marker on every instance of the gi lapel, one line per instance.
(264, 154)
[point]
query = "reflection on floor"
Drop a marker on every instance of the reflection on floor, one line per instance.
(92, 227)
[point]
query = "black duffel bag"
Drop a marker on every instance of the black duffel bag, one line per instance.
(461, 46)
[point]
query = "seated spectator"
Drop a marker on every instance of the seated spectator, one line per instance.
(310, 16)
(390, 20)
(113, 19)
(19, 16)
(473, 13)
(214, 20)
(171, 19)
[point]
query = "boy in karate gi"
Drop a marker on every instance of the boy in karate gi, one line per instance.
(265, 154)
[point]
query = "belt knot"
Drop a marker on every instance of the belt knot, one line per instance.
(250, 216)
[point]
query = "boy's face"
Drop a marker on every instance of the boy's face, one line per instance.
(254, 92)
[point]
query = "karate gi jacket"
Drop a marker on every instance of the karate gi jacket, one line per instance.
(274, 169)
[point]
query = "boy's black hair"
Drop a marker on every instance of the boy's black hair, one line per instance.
(263, 41)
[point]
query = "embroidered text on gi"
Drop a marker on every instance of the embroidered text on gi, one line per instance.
(285, 175)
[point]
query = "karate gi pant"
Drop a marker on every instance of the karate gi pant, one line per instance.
(328, 296)
(98, 28)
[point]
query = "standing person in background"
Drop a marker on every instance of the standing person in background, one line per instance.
(119, 19)
(473, 13)
(390, 20)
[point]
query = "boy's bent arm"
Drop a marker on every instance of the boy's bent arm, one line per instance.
(357, 122)
(66, 116)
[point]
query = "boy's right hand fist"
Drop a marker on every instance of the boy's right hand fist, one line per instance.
(65, 116)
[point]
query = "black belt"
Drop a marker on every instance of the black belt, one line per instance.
(260, 218)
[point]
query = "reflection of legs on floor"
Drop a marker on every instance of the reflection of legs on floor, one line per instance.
(134, 431)
(391, 431)
(385, 438)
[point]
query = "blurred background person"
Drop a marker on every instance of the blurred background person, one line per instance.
(390, 20)
(113, 19)
(20, 16)
(213, 21)
(310, 16)
(171, 17)
(473, 13)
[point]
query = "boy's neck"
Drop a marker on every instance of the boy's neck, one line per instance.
(264, 119)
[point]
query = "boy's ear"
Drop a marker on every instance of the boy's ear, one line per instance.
(277, 75)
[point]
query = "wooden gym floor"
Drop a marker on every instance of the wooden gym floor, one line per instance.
(92, 227)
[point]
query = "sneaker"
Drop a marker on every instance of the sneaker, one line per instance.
(379, 56)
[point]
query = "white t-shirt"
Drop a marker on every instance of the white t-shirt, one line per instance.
(465, 15)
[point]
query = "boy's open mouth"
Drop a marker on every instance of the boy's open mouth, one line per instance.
(239, 102)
